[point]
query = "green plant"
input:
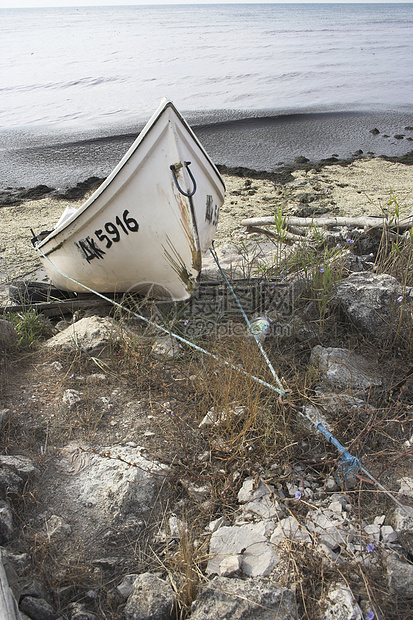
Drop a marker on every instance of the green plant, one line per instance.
(31, 327)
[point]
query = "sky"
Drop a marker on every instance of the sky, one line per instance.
(60, 3)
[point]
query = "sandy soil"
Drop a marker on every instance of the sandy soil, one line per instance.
(363, 187)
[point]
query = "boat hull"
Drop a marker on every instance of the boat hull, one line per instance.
(145, 228)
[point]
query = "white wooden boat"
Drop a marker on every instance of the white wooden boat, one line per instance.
(145, 228)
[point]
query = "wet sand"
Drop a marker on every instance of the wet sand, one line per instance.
(262, 142)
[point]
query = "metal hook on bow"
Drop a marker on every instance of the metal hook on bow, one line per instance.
(188, 194)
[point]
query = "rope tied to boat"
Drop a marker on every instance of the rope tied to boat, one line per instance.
(173, 167)
(252, 332)
(348, 462)
(161, 328)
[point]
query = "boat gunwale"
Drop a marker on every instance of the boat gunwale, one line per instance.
(164, 105)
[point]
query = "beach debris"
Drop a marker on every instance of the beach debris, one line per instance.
(260, 328)
(215, 417)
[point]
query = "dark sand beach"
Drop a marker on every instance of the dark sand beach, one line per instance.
(261, 143)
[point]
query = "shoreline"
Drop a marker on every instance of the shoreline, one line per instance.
(283, 174)
(263, 143)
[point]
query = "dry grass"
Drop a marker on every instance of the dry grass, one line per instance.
(254, 430)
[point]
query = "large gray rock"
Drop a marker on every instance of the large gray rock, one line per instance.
(92, 335)
(236, 599)
(369, 301)
(21, 465)
(152, 598)
(342, 368)
(109, 485)
(260, 500)
(341, 605)
(258, 557)
(37, 608)
(400, 574)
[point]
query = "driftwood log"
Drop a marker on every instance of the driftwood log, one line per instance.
(292, 223)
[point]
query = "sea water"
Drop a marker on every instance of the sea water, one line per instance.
(261, 83)
(104, 68)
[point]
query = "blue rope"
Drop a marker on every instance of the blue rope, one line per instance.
(349, 464)
(164, 330)
(265, 356)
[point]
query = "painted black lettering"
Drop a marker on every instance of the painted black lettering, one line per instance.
(89, 249)
(209, 211)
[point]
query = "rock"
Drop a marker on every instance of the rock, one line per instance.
(152, 598)
(10, 483)
(216, 524)
(6, 523)
(215, 418)
(56, 527)
(405, 538)
(260, 500)
(290, 529)
(126, 586)
(21, 465)
(344, 369)
(403, 518)
(8, 335)
(373, 532)
(92, 335)
(166, 347)
(356, 263)
(237, 599)
(78, 611)
(406, 486)
(177, 527)
(330, 530)
(196, 492)
(341, 605)
(374, 131)
(265, 507)
(251, 491)
(334, 403)
(368, 301)
(388, 535)
(230, 566)
(258, 558)
(37, 608)
(331, 485)
(109, 485)
(400, 575)
(72, 397)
